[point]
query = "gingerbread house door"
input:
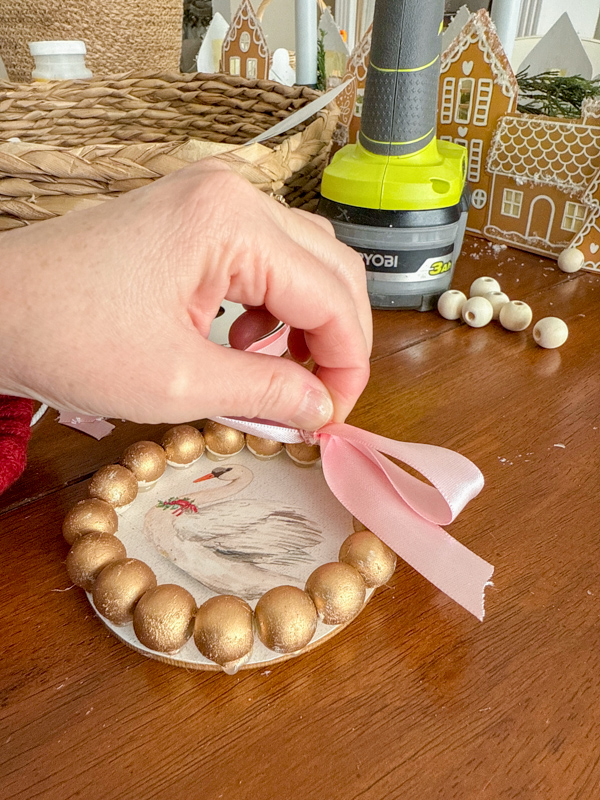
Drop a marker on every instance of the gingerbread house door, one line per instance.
(540, 218)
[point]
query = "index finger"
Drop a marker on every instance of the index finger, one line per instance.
(303, 293)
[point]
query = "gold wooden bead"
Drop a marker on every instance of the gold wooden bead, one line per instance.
(221, 441)
(305, 455)
(119, 587)
(89, 516)
(223, 631)
(338, 592)
(89, 554)
(163, 619)
(183, 445)
(114, 484)
(263, 449)
(286, 619)
(147, 461)
(374, 560)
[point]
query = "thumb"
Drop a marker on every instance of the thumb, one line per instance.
(254, 385)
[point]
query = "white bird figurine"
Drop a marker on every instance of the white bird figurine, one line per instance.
(243, 547)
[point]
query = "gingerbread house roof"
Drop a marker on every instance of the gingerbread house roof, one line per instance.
(481, 30)
(245, 17)
(543, 150)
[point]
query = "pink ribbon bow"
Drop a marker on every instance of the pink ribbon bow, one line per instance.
(401, 510)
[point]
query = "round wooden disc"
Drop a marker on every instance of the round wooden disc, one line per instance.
(252, 526)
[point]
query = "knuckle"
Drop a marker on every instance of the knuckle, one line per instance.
(276, 393)
(327, 225)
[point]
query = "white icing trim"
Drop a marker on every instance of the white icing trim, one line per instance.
(359, 59)
(533, 243)
(550, 222)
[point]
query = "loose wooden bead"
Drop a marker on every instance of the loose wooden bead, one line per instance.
(88, 556)
(550, 332)
(515, 316)
(477, 312)
(497, 299)
(484, 285)
(450, 304)
(571, 260)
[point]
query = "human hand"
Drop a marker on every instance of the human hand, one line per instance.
(107, 311)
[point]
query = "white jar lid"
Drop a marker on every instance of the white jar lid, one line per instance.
(73, 46)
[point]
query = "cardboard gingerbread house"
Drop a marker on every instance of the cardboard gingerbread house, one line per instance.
(477, 88)
(588, 238)
(336, 50)
(245, 51)
(351, 98)
(541, 170)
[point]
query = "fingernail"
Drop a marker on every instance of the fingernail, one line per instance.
(316, 410)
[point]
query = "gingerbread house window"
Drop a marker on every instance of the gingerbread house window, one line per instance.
(235, 65)
(475, 158)
(360, 96)
(483, 101)
(464, 100)
(245, 42)
(251, 67)
(447, 104)
(479, 198)
(512, 203)
(573, 217)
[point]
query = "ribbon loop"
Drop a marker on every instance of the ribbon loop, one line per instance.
(403, 511)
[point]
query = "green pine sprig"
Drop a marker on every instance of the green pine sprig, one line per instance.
(554, 95)
(321, 72)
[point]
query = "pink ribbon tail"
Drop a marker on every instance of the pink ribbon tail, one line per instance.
(403, 511)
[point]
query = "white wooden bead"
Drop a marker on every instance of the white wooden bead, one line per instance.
(497, 299)
(550, 332)
(571, 260)
(482, 286)
(515, 315)
(477, 312)
(450, 304)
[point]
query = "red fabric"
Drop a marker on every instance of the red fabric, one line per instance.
(15, 430)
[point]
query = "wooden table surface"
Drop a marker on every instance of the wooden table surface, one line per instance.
(416, 698)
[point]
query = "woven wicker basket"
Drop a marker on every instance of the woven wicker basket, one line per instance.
(120, 35)
(83, 142)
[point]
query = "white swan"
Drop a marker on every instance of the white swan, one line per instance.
(242, 547)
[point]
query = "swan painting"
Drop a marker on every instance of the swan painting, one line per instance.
(231, 544)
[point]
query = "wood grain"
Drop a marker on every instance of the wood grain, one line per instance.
(415, 699)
